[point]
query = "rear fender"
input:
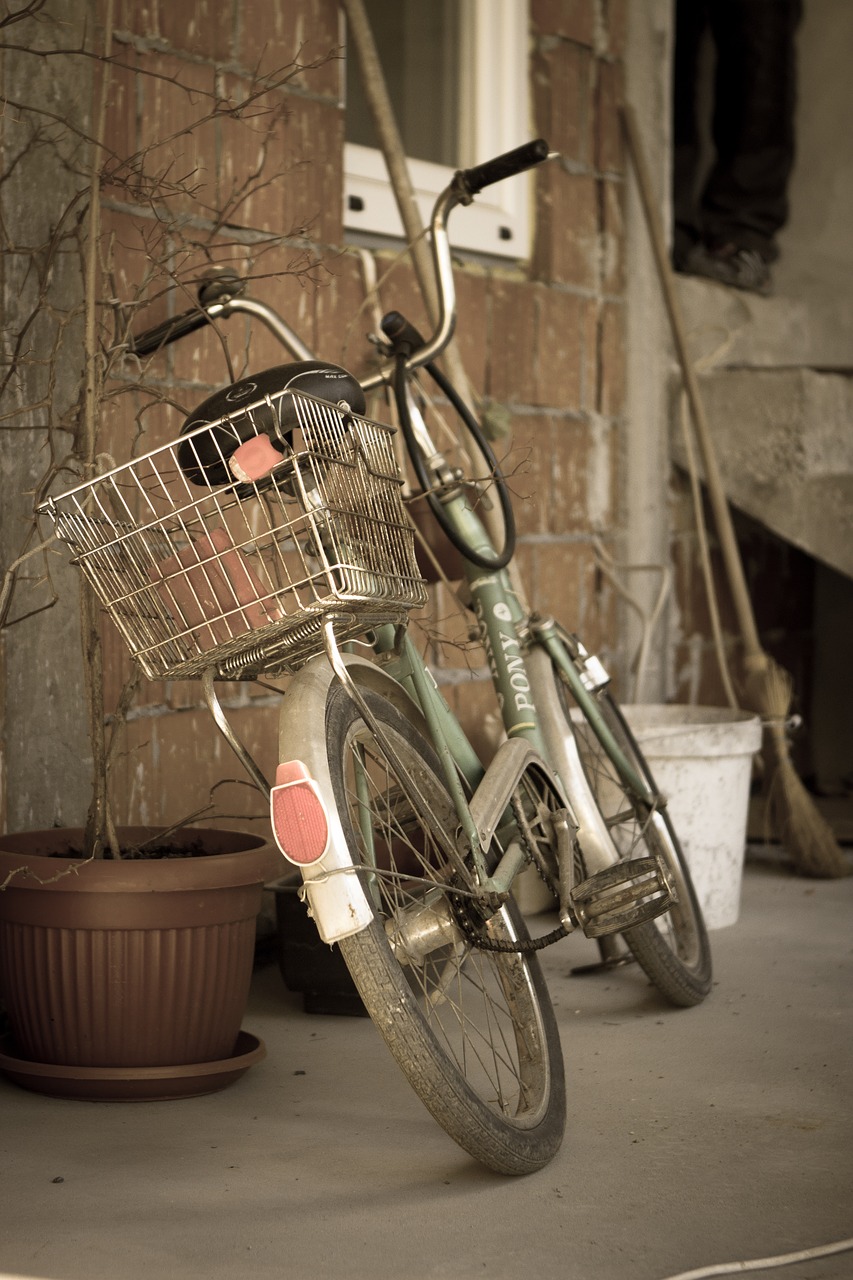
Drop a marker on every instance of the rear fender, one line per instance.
(336, 897)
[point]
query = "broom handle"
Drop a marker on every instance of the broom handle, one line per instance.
(719, 505)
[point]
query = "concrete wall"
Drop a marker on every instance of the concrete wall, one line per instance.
(817, 248)
(644, 550)
(44, 752)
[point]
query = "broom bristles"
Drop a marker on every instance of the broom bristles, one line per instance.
(800, 826)
(793, 815)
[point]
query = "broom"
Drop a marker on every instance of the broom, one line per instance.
(768, 688)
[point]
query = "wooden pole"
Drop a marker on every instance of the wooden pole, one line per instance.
(800, 826)
(360, 36)
(719, 504)
(381, 109)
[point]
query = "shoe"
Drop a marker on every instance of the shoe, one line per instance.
(728, 264)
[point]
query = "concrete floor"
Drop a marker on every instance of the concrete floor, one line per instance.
(695, 1137)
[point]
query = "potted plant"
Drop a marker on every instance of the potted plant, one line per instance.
(125, 952)
(128, 978)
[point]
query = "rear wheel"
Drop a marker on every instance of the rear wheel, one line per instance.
(673, 949)
(473, 1030)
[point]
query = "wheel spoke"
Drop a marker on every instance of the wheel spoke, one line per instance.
(673, 948)
(481, 1016)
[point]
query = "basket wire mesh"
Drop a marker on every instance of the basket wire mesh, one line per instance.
(201, 567)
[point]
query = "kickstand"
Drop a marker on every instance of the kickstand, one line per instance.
(214, 706)
(613, 952)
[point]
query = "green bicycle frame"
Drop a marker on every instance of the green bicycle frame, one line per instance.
(501, 622)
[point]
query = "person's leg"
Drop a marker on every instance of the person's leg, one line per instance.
(691, 23)
(745, 200)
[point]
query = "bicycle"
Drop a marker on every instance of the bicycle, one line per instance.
(271, 537)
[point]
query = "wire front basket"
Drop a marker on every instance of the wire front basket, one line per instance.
(221, 551)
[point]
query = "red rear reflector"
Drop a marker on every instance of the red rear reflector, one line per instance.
(298, 816)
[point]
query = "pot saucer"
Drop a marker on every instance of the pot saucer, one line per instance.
(131, 1084)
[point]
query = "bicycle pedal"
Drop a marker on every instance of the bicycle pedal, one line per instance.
(622, 896)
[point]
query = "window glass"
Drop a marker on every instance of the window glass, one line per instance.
(457, 75)
(419, 47)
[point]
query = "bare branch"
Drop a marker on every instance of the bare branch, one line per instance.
(64, 367)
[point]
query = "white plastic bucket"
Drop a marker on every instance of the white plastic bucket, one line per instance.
(701, 759)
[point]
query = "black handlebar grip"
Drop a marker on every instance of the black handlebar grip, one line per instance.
(402, 335)
(505, 166)
(169, 331)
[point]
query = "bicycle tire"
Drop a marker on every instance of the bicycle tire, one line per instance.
(473, 1031)
(673, 950)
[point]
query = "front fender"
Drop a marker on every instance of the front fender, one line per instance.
(336, 897)
(593, 836)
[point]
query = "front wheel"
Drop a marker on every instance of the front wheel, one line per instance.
(473, 1030)
(673, 949)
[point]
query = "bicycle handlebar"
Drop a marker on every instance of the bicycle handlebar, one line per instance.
(169, 331)
(219, 294)
(505, 166)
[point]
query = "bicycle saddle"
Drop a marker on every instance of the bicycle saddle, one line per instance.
(256, 406)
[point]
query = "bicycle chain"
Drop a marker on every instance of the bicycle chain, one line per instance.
(481, 940)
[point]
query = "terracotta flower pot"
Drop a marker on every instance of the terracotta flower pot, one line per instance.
(129, 979)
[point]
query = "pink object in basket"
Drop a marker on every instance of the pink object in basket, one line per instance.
(209, 579)
(254, 459)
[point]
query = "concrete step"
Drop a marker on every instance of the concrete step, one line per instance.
(784, 444)
(807, 323)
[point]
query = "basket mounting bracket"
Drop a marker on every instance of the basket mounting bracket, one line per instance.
(214, 706)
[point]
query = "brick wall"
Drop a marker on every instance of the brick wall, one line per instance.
(545, 341)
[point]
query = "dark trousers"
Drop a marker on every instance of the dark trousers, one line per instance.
(743, 199)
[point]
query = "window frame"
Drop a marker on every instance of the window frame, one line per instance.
(494, 117)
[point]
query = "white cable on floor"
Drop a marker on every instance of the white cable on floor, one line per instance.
(762, 1264)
